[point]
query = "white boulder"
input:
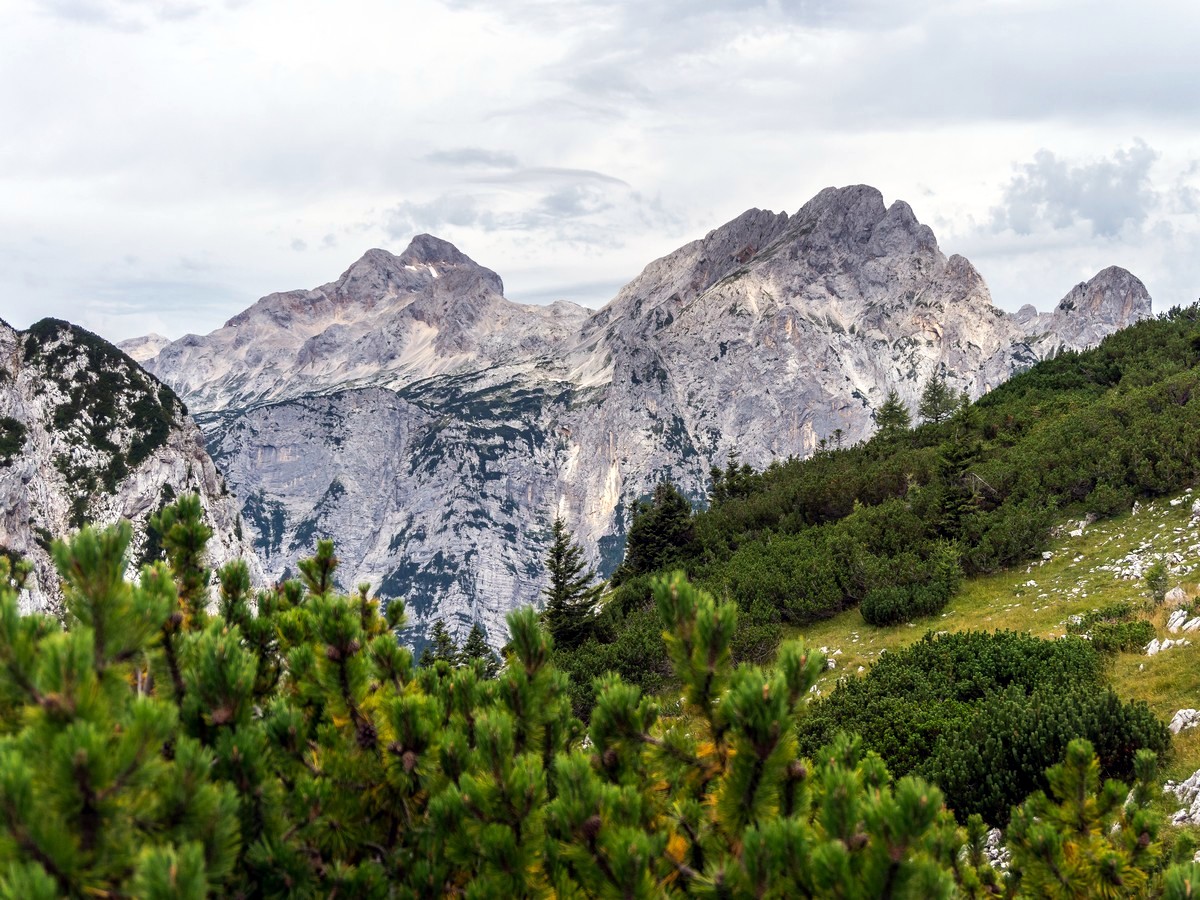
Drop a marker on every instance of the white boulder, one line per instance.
(1176, 596)
(1187, 793)
(1184, 719)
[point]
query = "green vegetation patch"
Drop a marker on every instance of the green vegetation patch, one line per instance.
(12, 439)
(984, 714)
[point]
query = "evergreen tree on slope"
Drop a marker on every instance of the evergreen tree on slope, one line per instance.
(573, 593)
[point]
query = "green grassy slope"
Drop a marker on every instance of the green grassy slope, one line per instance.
(1083, 573)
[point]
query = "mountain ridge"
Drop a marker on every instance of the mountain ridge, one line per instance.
(460, 423)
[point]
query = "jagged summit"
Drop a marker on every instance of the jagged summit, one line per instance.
(423, 251)
(379, 273)
(387, 319)
(1110, 299)
(857, 215)
(426, 249)
(1112, 293)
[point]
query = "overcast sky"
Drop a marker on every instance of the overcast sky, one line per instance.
(163, 163)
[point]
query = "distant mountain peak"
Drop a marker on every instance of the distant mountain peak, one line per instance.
(431, 425)
(1110, 299)
(426, 249)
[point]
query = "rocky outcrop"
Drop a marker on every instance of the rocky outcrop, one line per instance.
(1187, 793)
(1184, 719)
(434, 428)
(998, 855)
(1096, 308)
(88, 436)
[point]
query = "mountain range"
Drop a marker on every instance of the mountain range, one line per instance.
(434, 428)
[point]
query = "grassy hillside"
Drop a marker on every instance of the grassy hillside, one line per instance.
(1083, 573)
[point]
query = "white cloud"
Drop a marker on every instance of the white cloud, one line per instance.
(565, 143)
(1110, 193)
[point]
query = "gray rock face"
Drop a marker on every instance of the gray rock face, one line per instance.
(1094, 309)
(142, 348)
(1183, 720)
(87, 433)
(434, 428)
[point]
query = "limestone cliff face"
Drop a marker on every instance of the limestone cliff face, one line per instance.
(434, 428)
(89, 436)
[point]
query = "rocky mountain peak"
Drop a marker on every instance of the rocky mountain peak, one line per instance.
(428, 250)
(1111, 299)
(373, 275)
(90, 436)
(145, 347)
(1111, 294)
(856, 216)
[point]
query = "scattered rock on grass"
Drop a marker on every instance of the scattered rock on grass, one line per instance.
(1156, 646)
(1184, 719)
(1187, 793)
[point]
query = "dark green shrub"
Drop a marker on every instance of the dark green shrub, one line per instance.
(794, 573)
(1108, 500)
(984, 714)
(1113, 628)
(1001, 754)
(12, 439)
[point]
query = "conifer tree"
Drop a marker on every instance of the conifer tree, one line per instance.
(736, 480)
(293, 749)
(892, 418)
(184, 536)
(440, 647)
(659, 535)
(572, 594)
(1088, 839)
(476, 648)
(938, 401)
(98, 789)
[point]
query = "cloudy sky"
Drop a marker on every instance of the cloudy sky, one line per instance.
(163, 163)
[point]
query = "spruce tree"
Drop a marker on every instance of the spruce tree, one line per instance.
(572, 594)
(736, 480)
(892, 418)
(659, 536)
(440, 646)
(938, 401)
(476, 648)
